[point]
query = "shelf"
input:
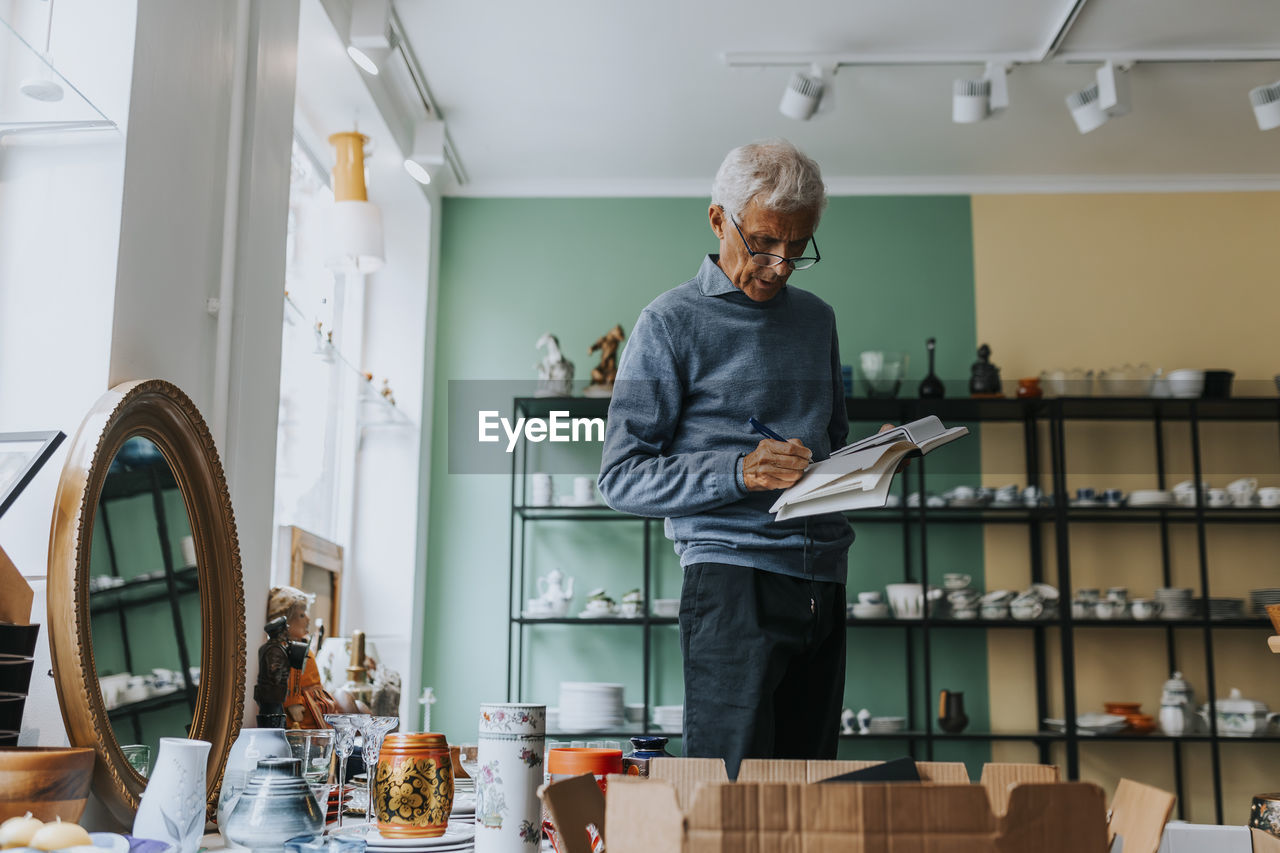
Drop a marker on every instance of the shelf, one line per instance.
(1055, 736)
(636, 622)
(935, 624)
(177, 696)
(623, 736)
(111, 600)
(576, 513)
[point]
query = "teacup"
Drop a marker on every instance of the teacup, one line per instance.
(1145, 608)
(871, 597)
(1118, 593)
(1243, 490)
(1031, 495)
(1219, 498)
(963, 493)
(1027, 609)
(956, 580)
(995, 611)
(1082, 609)
(1109, 608)
(1113, 497)
(631, 609)
(599, 605)
(1269, 497)
(1086, 494)
(964, 613)
(1087, 595)
(906, 599)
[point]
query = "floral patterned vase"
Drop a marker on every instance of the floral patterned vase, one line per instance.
(172, 808)
(511, 746)
(413, 786)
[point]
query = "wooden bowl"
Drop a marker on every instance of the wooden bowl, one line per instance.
(49, 782)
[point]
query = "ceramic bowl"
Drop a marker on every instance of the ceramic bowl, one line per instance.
(49, 782)
(869, 611)
(1186, 383)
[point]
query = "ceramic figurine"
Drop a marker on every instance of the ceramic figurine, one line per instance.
(305, 701)
(511, 744)
(274, 665)
(985, 378)
(931, 386)
(172, 807)
(864, 721)
(603, 374)
(555, 372)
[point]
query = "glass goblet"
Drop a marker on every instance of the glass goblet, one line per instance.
(372, 731)
(344, 741)
(314, 748)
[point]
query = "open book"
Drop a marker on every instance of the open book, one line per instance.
(858, 476)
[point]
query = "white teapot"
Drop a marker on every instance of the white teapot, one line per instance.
(554, 594)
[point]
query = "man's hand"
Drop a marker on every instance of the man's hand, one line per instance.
(905, 463)
(775, 464)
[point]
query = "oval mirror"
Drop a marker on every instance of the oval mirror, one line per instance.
(146, 600)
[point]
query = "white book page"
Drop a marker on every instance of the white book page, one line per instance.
(824, 473)
(873, 498)
(917, 432)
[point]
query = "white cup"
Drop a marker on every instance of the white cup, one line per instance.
(584, 490)
(871, 597)
(1219, 498)
(188, 551)
(541, 491)
(1243, 490)
(597, 605)
(955, 580)
(906, 599)
(1269, 497)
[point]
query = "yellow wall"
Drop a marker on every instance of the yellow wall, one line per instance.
(1174, 280)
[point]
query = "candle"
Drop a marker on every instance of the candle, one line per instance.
(55, 836)
(17, 831)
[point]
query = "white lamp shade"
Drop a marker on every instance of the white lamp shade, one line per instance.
(355, 237)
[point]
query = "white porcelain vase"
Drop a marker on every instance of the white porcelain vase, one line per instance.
(250, 747)
(511, 744)
(173, 804)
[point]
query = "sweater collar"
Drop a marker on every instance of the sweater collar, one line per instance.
(713, 282)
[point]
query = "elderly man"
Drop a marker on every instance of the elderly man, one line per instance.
(762, 609)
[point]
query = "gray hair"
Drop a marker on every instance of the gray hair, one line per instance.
(776, 174)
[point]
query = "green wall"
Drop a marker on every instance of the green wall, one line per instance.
(896, 270)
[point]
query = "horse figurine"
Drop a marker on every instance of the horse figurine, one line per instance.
(555, 372)
(603, 374)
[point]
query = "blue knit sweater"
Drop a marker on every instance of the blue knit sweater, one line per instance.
(701, 360)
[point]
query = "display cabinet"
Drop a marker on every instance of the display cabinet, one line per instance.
(1042, 424)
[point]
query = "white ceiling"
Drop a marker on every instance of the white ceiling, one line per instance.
(590, 97)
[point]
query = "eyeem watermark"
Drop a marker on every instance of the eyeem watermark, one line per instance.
(559, 427)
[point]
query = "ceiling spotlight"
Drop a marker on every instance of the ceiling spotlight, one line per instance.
(974, 99)
(1085, 109)
(427, 154)
(1113, 88)
(804, 94)
(1266, 105)
(369, 38)
(970, 100)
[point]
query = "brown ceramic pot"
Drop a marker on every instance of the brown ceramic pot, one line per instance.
(49, 782)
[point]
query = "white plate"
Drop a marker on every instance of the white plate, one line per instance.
(455, 834)
(607, 614)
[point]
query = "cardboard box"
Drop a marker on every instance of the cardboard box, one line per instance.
(687, 805)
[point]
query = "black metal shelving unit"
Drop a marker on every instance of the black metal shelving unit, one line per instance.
(1053, 414)
(167, 585)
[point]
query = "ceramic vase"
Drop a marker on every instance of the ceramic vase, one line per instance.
(413, 786)
(511, 744)
(275, 806)
(252, 746)
(173, 804)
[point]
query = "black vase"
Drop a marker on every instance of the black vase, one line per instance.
(951, 716)
(931, 386)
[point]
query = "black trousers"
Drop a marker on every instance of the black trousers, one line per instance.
(764, 658)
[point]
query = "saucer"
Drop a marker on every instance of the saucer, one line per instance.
(604, 614)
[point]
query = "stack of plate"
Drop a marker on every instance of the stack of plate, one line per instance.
(464, 801)
(591, 706)
(669, 718)
(1091, 724)
(1175, 603)
(1150, 498)
(458, 836)
(1260, 598)
(886, 725)
(1226, 608)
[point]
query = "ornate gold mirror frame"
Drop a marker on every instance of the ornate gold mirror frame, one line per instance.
(159, 411)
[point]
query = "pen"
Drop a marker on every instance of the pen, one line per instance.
(764, 430)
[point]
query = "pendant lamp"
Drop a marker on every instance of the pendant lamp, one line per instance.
(355, 223)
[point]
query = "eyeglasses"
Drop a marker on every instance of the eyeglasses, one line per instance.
(765, 259)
